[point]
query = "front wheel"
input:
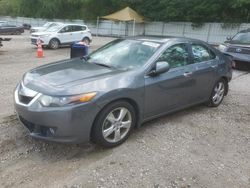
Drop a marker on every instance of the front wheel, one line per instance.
(114, 124)
(54, 44)
(218, 93)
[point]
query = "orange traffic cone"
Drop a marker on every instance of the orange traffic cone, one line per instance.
(39, 49)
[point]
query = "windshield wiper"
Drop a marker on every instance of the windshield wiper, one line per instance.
(104, 65)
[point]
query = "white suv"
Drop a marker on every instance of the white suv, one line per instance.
(44, 27)
(64, 34)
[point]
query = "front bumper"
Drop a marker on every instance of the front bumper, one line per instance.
(44, 41)
(71, 124)
(239, 57)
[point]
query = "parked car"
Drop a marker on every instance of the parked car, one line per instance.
(105, 95)
(44, 27)
(3, 22)
(63, 34)
(238, 48)
(11, 29)
(26, 26)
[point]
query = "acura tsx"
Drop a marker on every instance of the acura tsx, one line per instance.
(103, 96)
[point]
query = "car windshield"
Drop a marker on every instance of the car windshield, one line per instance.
(54, 28)
(243, 38)
(125, 54)
(47, 24)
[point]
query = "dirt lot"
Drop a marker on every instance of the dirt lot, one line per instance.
(198, 147)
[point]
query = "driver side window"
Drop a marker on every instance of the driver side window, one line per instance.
(66, 29)
(176, 55)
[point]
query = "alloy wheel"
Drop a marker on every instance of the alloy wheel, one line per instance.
(219, 92)
(117, 125)
(54, 44)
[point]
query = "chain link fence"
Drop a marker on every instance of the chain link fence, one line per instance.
(209, 32)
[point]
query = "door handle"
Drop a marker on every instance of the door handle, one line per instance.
(214, 66)
(187, 74)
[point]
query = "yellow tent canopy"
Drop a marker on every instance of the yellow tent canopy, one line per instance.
(126, 14)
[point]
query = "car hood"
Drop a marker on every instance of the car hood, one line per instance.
(70, 77)
(236, 44)
(41, 33)
(38, 28)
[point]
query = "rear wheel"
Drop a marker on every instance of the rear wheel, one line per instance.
(18, 33)
(86, 40)
(218, 93)
(114, 124)
(54, 44)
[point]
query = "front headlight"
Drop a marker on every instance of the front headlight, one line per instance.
(49, 101)
(222, 48)
(42, 36)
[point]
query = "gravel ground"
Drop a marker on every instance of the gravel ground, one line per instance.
(197, 147)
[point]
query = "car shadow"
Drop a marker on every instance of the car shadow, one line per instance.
(172, 117)
(51, 151)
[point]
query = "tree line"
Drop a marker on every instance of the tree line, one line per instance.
(196, 11)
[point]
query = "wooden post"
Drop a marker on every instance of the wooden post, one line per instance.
(112, 28)
(209, 30)
(184, 30)
(163, 28)
(97, 26)
(134, 28)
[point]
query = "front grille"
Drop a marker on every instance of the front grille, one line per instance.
(33, 41)
(239, 50)
(25, 99)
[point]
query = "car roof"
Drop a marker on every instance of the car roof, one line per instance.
(165, 39)
(74, 24)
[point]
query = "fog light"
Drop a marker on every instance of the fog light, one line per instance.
(51, 132)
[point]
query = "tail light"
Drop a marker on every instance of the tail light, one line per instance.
(233, 64)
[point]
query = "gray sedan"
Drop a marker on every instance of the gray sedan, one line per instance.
(11, 29)
(103, 96)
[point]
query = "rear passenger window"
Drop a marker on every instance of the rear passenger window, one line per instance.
(176, 55)
(77, 28)
(83, 28)
(202, 53)
(66, 29)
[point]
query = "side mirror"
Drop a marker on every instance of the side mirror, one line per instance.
(229, 38)
(160, 67)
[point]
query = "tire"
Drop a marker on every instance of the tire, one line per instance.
(218, 93)
(54, 44)
(86, 40)
(18, 33)
(108, 129)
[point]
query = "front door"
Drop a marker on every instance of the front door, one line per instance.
(65, 35)
(205, 65)
(173, 89)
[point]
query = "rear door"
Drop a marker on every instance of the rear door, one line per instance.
(5, 29)
(205, 65)
(173, 89)
(77, 33)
